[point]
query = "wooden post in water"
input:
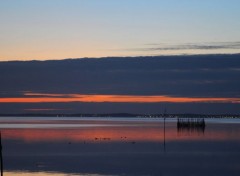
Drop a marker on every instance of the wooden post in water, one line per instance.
(164, 144)
(164, 129)
(1, 158)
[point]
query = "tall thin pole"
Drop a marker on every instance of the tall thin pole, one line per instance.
(164, 143)
(1, 158)
(164, 129)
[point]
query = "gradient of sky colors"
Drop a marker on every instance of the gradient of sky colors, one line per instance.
(199, 75)
(58, 29)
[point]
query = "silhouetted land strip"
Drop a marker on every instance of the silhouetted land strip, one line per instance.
(198, 116)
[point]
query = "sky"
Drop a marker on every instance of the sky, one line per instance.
(59, 29)
(133, 56)
(206, 84)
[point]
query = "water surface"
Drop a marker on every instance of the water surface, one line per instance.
(118, 146)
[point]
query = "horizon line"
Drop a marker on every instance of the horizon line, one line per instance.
(106, 57)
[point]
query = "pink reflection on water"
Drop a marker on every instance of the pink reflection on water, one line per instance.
(125, 131)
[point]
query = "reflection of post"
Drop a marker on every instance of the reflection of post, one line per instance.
(1, 154)
(164, 144)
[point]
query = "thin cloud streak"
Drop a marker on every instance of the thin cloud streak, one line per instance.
(32, 94)
(44, 109)
(67, 98)
(190, 46)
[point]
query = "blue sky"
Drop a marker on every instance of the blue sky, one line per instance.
(59, 29)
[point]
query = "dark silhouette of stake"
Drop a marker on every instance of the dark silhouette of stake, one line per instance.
(164, 143)
(1, 154)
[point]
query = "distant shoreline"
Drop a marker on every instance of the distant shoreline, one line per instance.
(127, 115)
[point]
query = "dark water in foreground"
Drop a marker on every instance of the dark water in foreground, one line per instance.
(72, 146)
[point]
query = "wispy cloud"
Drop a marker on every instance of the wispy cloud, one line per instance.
(189, 46)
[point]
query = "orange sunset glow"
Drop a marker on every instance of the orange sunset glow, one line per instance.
(66, 98)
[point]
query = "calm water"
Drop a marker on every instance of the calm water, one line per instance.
(122, 146)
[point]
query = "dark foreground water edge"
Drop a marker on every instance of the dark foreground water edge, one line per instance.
(106, 146)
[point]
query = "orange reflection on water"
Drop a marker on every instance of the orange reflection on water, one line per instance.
(84, 134)
(118, 134)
